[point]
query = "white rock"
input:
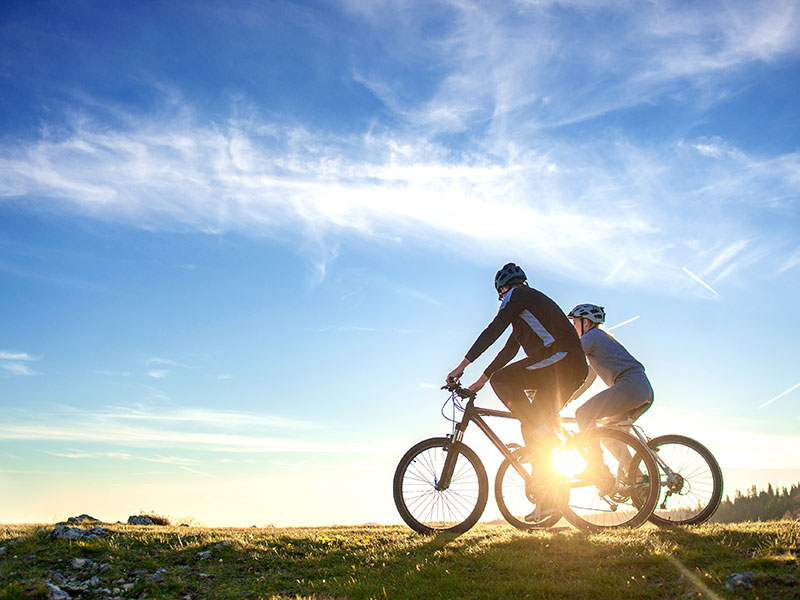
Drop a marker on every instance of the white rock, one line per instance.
(56, 593)
(740, 580)
(82, 563)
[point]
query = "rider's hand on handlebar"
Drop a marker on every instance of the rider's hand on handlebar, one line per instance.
(456, 373)
(478, 384)
(454, 376)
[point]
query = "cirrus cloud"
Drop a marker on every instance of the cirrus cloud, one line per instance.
(16, 363)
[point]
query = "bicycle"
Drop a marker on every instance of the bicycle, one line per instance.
(440, 484)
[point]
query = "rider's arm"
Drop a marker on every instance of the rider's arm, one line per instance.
(458, 371)
(475, 387)
(586, 384)
(493, 331)
(508, 352)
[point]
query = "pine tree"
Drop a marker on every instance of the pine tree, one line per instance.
(761, 505)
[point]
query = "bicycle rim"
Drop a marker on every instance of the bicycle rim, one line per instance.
(426, 509)
(516, 500)
(626, 499)
(692, 491)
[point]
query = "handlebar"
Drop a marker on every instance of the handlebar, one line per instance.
(455, 387)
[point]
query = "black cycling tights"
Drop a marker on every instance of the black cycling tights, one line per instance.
(550, 386)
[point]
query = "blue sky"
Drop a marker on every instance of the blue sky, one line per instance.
(241, 244)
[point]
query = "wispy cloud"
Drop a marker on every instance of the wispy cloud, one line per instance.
(83, 455)
(790, 263)
(499, 59)
(152, 437)
(219, 431)
(156, 360)
(17, 363)
(215, 181)
(226, 419)
(183, 463)
(161, 368)
(600, 208)
(14, 356)
(413, 293)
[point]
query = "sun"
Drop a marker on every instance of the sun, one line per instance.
(569, 462)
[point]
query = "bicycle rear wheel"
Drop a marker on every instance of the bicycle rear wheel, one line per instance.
(516, 497)
(692, 493)
(427, 509)
(626, 498)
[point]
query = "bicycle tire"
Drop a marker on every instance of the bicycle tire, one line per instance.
(591, 509)
(515, 499)
(698, 491)
(428, 510)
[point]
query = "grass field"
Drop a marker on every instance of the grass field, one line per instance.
(488, 562)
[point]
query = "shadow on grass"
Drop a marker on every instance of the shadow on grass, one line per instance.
(673, 562)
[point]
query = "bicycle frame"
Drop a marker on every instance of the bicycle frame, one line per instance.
(475, 414)
(628, 426)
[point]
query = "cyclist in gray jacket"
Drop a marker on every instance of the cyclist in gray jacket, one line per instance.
(629, 391)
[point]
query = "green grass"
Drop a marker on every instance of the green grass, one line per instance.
(490, 561)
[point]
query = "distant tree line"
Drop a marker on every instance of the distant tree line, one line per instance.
(766, 505)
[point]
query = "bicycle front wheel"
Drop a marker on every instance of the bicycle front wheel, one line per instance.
(625, 497)
(425, 507)
(516, 497)
(692, 489)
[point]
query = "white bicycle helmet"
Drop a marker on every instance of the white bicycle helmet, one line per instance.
(596, 314)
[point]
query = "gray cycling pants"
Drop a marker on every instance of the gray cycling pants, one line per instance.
(630, 395)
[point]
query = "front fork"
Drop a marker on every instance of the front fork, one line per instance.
(450, 460)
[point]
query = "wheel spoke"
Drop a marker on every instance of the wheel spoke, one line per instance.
(698, 491)
(426, 508)
(628, 503)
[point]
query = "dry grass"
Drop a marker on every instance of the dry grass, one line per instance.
(490, 561)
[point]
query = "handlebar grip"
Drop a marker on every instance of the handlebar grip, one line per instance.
(453, 386)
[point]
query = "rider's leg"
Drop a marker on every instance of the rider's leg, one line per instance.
(548, 384)
(629, 393)
(536, 390)
(526, 397)
(629, 396)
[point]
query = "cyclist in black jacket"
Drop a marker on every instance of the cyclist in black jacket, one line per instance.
(535, 388)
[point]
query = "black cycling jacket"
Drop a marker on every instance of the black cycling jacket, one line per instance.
(540, 327)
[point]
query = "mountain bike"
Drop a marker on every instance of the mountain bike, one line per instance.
(440, 484)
